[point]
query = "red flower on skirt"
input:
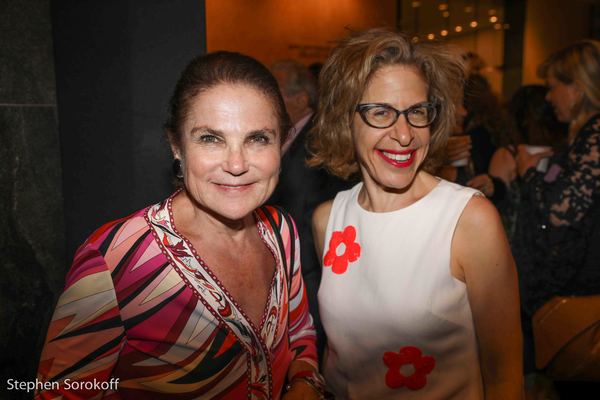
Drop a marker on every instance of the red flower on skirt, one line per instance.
(422, 366)
(351, 250)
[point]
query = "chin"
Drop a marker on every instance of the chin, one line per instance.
(396, 182)
(232, 213)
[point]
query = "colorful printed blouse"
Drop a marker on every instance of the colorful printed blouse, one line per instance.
(142, 316)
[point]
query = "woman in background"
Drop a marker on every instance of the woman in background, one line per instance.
(199, 296)
(485, 127)
(419, 295)
(558, 227)
(535, 124)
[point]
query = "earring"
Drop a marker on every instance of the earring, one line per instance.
(177, 171)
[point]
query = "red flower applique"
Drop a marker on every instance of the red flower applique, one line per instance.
(408, 355)
(350, 250)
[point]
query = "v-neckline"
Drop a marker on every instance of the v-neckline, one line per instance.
(261, 230)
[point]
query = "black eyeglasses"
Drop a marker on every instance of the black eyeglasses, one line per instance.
(381, 115)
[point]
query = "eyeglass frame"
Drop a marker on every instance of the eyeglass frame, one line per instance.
(362, 108)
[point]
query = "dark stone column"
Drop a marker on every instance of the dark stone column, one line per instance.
(117, 62)
(32, 227)
(101, 73)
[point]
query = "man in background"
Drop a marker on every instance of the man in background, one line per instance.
(300, 187)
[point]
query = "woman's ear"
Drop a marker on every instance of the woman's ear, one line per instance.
(175, 151)
(174, 147)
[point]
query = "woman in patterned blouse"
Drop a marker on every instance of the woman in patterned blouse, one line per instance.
(199, 296)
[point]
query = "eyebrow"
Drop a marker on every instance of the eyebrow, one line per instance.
(420, 103)
(206, 129)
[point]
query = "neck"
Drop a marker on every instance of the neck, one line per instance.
(377, 198)
(579, 121)
(193, 219)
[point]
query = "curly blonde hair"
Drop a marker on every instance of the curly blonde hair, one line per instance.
(346, 75)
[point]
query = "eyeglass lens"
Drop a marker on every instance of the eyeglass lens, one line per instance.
(384, 116)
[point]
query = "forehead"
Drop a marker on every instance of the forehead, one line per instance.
(241, 90)
(228, 103)
(397, 80)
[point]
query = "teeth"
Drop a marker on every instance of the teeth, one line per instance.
(397, 157)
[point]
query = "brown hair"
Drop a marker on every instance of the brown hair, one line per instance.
(345, 76)
(577, 63)
(209, 70)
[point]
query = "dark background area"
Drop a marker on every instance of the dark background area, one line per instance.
(84, 87)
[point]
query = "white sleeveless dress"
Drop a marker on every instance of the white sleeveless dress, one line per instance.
(399, 326)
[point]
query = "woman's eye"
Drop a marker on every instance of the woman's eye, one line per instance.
(419, 111)
(209, 138)
(380, 112)
(260, 138)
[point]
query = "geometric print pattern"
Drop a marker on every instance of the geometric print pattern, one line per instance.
(140, 305)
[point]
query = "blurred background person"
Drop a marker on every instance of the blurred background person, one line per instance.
(191, 297)
(482, 126)
(534, 124)
(474, 63)
(301, 188)
(419, 295)
(558, 227)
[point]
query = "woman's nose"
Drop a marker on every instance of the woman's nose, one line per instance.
(402, 131)
(236, 162)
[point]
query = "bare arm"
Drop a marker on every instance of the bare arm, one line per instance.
(503, 165)
(481, 257)
(300, 389)
(319, 225)
(302, 335)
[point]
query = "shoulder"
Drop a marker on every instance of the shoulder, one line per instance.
(595, 123)
(321, 215)
(504, 154)
(479, 228)
(480, 247)
(454, 191)
(590, 131)
(276, 218)
(320, 219)
(135, 222)
(478, 213)
(91, 257)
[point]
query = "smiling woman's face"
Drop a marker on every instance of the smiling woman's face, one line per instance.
(391, 157)
(230, 150)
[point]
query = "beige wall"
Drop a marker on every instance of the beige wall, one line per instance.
(306, 29)
(550, 25)
(303, 30)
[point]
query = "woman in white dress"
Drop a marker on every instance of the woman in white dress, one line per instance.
(419, 295)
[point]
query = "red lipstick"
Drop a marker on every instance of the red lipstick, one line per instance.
(399, 159)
